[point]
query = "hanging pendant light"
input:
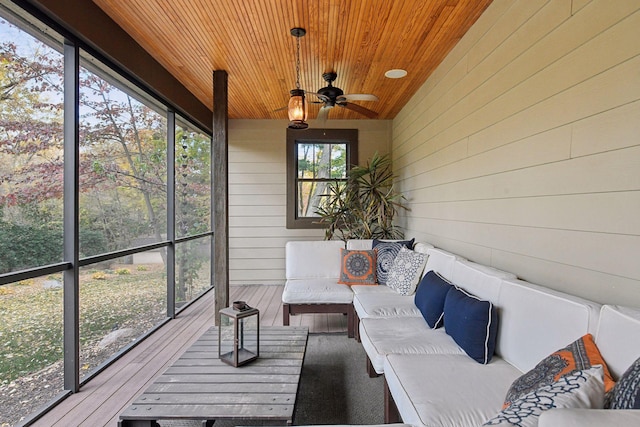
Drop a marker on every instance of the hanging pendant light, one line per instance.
(297, 103)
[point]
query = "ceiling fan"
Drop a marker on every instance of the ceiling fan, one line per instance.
(331, 96)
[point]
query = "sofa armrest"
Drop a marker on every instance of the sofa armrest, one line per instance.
(590, 418)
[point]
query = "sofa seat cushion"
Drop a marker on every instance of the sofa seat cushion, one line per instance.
(367, 289)
(447, 390)
(384, 304)
(316, 291)
(403, 335)
(566, 417)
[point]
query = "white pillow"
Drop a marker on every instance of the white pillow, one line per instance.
(580, 389)
(406, 271)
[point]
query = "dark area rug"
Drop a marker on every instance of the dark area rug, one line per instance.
(334, 387)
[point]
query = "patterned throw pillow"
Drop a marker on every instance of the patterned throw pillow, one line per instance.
(472, 323)
(405, 271)
(579, 355)
(385, 254)
(358, 267)
(430, 296)
(626, 393)
(580, 389)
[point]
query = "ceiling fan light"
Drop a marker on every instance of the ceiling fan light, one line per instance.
(297, 110)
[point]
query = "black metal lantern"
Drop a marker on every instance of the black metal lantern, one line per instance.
(239, 334)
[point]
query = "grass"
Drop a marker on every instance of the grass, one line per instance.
(31, 332)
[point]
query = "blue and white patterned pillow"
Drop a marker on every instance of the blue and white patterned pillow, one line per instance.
(406, 271)
(580, 389)
(386, 252)
(626, 392)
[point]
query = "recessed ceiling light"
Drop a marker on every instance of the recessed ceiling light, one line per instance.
(395, 74)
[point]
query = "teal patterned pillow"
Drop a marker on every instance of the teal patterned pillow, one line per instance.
(406, 271)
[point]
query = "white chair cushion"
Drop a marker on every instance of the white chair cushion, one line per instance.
(403, 335)
(447, 390)
(316, 291)
(313, 259)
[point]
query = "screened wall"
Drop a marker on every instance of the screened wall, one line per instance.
(105, 214)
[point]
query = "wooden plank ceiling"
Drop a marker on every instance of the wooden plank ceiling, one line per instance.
(251, 40)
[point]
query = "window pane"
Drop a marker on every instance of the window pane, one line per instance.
(31, 368)
(120, 300)
(338, 161)
(31, 150)
(193, 269)
(123, 150)
(193, 182)
(310, 197)
(317, 162)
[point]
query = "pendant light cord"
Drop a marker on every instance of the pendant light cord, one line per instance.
(298, 62)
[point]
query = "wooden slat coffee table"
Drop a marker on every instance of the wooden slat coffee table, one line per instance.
(198, 386)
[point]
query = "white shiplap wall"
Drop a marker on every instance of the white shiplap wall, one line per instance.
(522, 150)
(257, 193)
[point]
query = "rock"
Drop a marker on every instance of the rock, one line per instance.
(113, 337)
(52, 284)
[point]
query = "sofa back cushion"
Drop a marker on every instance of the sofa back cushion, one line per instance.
(536, 321)
(359, 244)
(441, 261)
(617, 337)
(313, 259)
(480, 280)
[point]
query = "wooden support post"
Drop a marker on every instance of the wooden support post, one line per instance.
(220, 196)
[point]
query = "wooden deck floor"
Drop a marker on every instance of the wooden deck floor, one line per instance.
(100, 402)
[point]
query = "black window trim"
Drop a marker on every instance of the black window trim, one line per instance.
(330, 136)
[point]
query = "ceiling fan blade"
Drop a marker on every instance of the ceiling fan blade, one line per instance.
(358, 97)
(323, 114)
(359, 109)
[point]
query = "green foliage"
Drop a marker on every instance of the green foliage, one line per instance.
(365, 206)
(92, 242)
(25, 246)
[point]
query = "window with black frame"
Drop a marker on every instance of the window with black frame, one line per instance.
(316, 158)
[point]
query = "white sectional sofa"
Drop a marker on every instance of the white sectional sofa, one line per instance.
(430, 380)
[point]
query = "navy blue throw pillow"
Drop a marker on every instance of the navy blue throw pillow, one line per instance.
(472, 323)
(430, 298)
(407, 243)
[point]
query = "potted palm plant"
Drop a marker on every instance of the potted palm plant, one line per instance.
(364, 206)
